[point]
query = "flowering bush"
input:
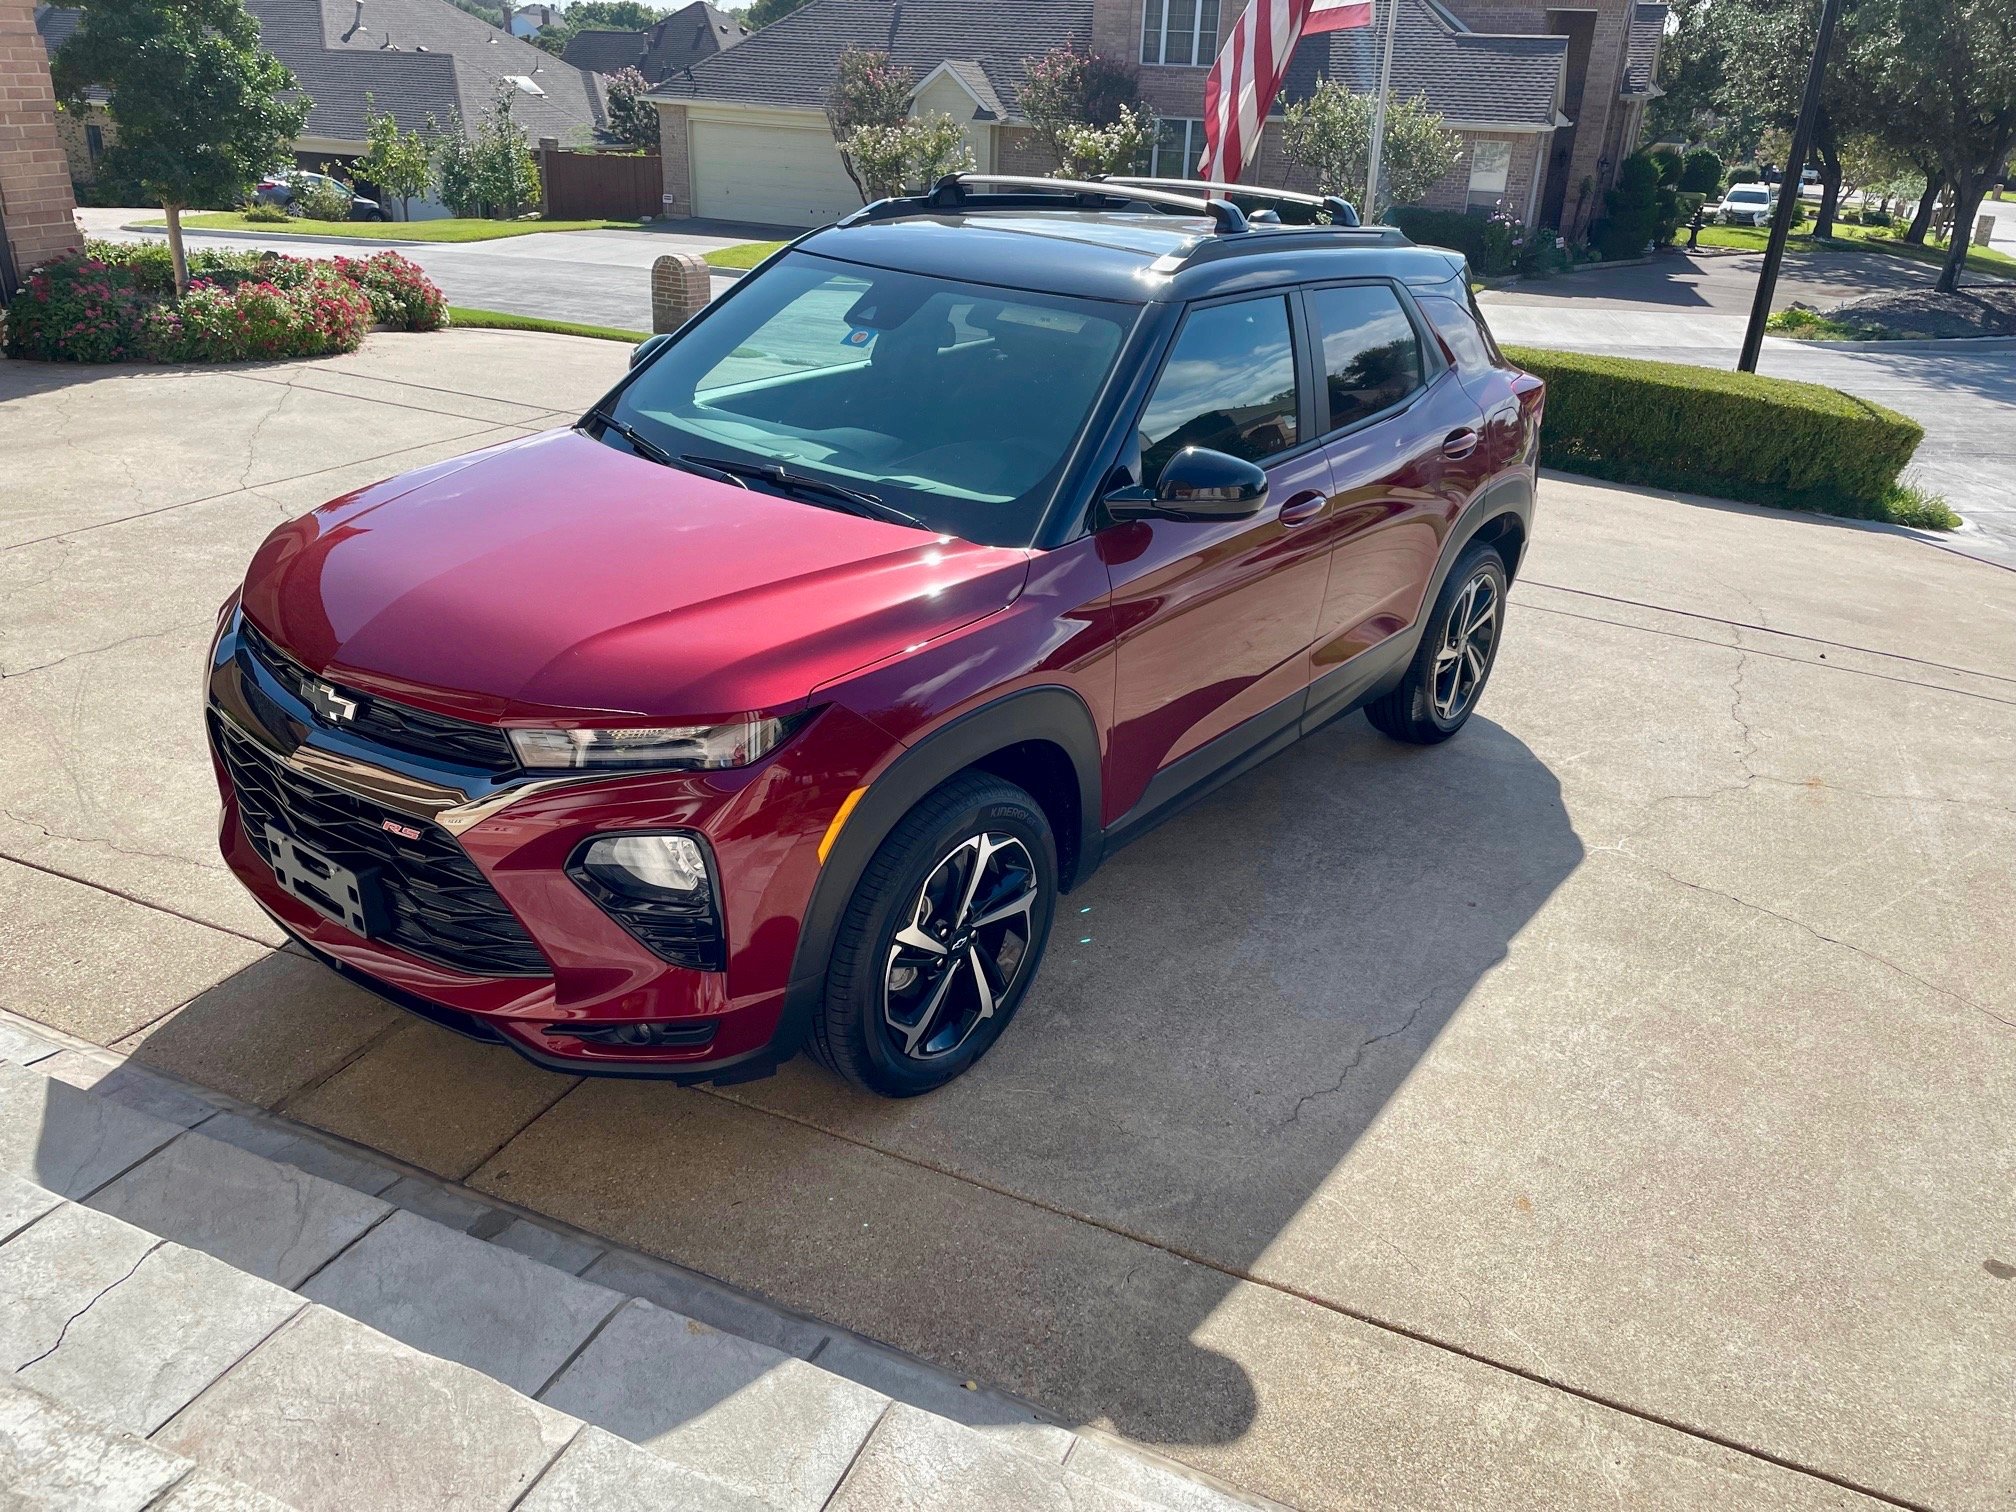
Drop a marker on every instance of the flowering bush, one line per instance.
(115, 303)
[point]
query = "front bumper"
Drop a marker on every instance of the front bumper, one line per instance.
(574, 967)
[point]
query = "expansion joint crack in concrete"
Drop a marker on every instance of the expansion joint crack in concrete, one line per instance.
(1357, 1059)
(112, 845)
(97, 1297)
(125, 640)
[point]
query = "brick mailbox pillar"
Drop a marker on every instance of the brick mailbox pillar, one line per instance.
(680, 285)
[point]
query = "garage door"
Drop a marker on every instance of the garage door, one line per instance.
(773, 175)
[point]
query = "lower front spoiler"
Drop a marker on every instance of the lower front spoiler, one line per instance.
(750, 1065)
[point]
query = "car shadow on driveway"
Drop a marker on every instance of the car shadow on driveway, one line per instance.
(1226, 1013)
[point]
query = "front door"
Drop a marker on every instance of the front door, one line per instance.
(1216, 618)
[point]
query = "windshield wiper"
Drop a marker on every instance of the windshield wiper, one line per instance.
(651, 451)
(853, 500)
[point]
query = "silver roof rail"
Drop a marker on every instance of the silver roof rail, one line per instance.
(950, 193)
(1340, 210)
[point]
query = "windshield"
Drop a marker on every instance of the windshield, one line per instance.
(957, 403)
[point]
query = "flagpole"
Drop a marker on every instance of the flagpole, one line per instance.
(1379, 115)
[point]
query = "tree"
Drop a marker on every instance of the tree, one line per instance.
(1086, 108)
(763, 12)
(489, 171)
(1701, 172)
(195, 98)
(1631, 209)
(1768, 46)
(1330, 135)
(612, 15)
(868, 90)
(631, 116)
(1947, 69)
(401, 163)
(1690, 72)
(914, 152)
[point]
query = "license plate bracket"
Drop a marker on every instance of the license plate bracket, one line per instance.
(351, 898)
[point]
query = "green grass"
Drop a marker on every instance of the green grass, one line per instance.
(499, 320)
(1906, 505)
(1860, 238)
(1805, 325)
(449, 230)
(747, 255)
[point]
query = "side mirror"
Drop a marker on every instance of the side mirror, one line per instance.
(646, 349)
(1196, 484)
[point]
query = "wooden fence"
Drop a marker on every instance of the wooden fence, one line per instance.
(587, 185)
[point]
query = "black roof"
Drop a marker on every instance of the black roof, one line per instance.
(677, 42)
(1473, 78)
(1114, 254)
(791, 62)
(1641, 49)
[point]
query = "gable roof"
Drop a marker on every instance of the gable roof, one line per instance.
(678, 41)
(792, 61)
(1641, 50)
(1469, 78)
(414, 58)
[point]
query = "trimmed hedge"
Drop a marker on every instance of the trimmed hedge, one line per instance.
(1732, 435)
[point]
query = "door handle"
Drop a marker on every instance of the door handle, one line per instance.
(1303, 506)
(1459, 443)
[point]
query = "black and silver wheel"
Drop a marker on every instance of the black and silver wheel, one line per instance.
(944, 933)
(1453, 662)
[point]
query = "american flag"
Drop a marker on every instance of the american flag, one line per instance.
(1249, 70)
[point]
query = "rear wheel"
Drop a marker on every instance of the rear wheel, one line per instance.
(940, 942)
(1454, 660)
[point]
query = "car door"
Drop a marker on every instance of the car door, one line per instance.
(1215, 618)
(1403, 438)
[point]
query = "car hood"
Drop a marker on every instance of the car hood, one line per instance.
(557, 576)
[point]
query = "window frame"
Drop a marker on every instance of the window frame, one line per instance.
(1307, 414)
(1204, 45)
(1470, 190)
(1434, 361)
(1193, 145)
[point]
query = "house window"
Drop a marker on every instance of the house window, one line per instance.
(1490, 167)
(1178, 145)
(1181, 33)
(94, 142)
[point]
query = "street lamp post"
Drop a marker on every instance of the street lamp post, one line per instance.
(1788, 204)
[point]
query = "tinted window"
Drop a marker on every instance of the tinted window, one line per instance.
(1229, 385)
(1371, 356)
(1456, 326)
(956, 402)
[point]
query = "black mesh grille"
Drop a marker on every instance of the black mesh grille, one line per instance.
(400, 726)
(439, 906)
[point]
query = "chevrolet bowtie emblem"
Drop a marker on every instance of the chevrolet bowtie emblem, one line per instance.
(330, 704)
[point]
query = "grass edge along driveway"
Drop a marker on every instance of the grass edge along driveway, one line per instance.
(449, 229)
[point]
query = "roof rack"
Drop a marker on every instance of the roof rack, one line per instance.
(1020, 192)
(1340, 210)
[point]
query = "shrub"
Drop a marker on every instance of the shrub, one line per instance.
(1701, 172)
(319, 199)
(1876, 218)
(1733, 435)
(115, 303)
(1668, 161)
(1544, 254)
(264, 213)
(1633, 210)
(1666, 216)
(1743, 173)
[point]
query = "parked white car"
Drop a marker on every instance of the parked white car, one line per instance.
(1747, 205)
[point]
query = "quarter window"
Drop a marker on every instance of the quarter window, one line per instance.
(1371, 355)
(1460, 329)
(1183, 33)
(1229, 385)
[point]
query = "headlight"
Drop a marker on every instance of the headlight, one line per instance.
(674, 747)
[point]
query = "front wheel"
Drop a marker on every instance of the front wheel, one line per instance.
(1458, 647)
(940, 942)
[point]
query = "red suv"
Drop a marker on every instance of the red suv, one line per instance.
(776, 703)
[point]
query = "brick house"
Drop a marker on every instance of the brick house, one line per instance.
(37, 219)
(1543, 97)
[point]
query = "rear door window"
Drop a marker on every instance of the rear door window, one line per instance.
(1229, 385)
(1371, 355)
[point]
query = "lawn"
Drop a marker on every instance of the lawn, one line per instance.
(747, 255)
(447, 230)
(499, 320)
(1869, 238)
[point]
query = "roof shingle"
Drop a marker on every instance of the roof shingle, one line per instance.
(1641, 49)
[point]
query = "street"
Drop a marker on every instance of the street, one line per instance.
(1607, 1107)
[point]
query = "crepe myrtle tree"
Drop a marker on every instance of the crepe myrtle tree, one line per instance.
(913, 153)
(1087, 109)
(1330, 135)
(196, 100)
(868, 90)
(631, 116)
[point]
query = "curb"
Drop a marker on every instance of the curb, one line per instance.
(1945, 344)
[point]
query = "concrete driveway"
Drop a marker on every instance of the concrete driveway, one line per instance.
(1610, 1107)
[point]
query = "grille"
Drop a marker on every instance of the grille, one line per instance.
(397, 725)
(438, 905)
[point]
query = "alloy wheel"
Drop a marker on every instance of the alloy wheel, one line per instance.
(1464, 656)
(962, 946)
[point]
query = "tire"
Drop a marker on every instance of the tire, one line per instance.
(897, 1019)
(1437, 696)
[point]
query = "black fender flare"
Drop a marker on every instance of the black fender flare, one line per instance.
(1513, 496)
(1049, 713)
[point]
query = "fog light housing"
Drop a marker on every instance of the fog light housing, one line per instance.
(660, 886)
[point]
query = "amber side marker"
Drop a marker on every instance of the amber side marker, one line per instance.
(839, 823)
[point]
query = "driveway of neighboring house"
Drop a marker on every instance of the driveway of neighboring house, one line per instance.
(1606, 1108)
